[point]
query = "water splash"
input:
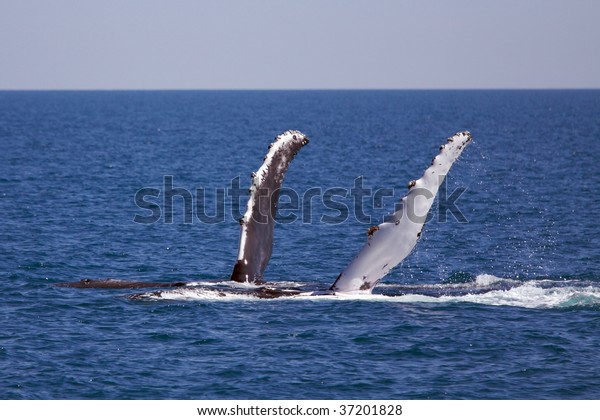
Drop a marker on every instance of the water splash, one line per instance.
(485, 289)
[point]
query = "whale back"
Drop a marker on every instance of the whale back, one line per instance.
(393, 240)
(257, 224)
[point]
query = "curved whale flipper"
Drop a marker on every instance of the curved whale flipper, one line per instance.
(256, 237)
(390, 242)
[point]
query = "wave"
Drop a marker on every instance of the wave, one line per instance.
(533, 295)
(487, 289)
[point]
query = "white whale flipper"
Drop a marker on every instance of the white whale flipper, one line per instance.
(392, 241)
(256, 238)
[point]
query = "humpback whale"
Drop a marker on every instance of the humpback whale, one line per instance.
(388, 244)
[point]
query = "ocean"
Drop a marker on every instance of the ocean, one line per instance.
(499, 300)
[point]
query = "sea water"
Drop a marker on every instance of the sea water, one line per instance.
(500, 298)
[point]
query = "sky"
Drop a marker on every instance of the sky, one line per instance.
(308, 44)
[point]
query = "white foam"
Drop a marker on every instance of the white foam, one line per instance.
(533, 294)
(196, 294)
(489, 279)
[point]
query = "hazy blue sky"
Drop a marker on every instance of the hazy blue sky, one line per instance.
(186, 44)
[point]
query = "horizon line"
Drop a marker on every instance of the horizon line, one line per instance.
(292, 89)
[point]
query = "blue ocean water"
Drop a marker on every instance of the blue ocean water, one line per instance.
(504, 304)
